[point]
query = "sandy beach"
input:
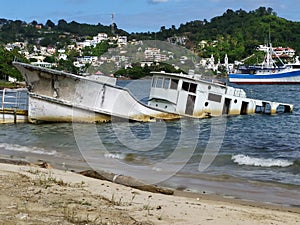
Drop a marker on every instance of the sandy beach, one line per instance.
(34, 195)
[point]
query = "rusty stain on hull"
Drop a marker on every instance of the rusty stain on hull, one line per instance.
(155, 117)
(37, 120)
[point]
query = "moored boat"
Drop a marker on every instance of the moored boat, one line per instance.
(269, 72)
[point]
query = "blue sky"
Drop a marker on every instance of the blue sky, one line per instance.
(137, 15)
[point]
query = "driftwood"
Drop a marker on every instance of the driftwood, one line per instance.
(126, 181)
(102, 175)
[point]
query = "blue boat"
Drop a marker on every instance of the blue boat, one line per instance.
(268, 72)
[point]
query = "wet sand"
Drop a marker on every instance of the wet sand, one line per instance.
(34, 195)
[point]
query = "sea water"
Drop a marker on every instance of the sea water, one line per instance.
(254, 157)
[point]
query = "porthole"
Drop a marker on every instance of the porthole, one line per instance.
(235, 101)
(209, 87)
(206, 104)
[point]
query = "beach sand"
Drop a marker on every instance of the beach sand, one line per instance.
(34, 195)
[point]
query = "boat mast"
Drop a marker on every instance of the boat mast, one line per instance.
(269, 62)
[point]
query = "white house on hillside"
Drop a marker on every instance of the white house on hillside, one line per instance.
(100, 37)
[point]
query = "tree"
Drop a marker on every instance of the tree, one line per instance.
(62, 25)
(6, 67)
(34, 23)
(49, 59)
(67, 65)
(50, 24)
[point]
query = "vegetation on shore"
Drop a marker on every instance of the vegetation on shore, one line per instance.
(6, 67)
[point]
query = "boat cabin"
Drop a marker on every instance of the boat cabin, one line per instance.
(191, 96)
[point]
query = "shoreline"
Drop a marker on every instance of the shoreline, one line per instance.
(243, 190)
(72, 197)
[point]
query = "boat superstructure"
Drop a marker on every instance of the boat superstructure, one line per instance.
(189, 95)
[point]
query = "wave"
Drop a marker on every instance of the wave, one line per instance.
(253, 161)
(113, 156)
(19, 148)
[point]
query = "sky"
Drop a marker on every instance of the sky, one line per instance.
(137, 15)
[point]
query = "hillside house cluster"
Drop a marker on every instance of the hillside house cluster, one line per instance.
(39, 53)
(120, 58)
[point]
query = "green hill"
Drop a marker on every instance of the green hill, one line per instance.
(235, 33)
(50, 34)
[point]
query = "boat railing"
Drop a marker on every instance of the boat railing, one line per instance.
(14, 99)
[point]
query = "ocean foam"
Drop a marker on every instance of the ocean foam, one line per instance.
(253, 161)
(19, 148)
(113, 156)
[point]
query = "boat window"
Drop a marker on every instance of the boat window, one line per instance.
(244, 108)
(280, 109)
(174, 84)
(214, 97)
(166, 83)
(258, 109)
(190, 87)
(159, 82)
(267, 107)
(185, 86)
(154, 81)
(193, 88)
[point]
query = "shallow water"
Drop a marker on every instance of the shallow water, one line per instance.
(255, 157)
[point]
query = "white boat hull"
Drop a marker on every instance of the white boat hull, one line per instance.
(56, 96)
(264, 79)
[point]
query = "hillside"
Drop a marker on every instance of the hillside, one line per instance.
(49, 33)
(235, 33)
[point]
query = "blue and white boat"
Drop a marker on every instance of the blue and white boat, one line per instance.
(268, 72)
